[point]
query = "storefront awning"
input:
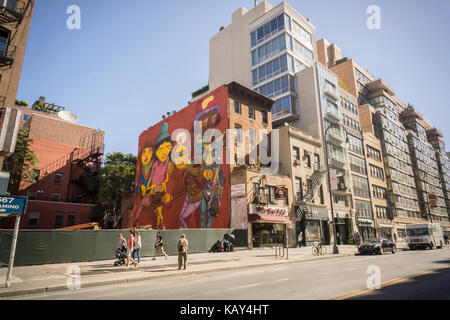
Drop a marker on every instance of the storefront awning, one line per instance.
(269, 218)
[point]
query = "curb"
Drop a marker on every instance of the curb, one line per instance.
(56, 288)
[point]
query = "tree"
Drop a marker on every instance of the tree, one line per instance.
(22, 163)
(117, 178)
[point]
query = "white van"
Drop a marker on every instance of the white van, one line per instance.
(424, 235)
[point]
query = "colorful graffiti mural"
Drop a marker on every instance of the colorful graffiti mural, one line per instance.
(174, 189)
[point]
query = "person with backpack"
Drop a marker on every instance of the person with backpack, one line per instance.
(183, 249)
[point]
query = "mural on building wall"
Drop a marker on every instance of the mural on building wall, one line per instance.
(174, 189)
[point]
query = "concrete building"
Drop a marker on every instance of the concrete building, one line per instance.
(69, 154)
(425, 166)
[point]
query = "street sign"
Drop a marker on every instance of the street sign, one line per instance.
(432, 199)
(12, 205)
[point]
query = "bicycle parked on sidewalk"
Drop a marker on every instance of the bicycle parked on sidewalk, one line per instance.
(318, 249)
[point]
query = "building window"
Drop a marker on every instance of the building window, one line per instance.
(376, 172)
(25, 117)
(58, 178)
(237, 106)
(379, 192)
(364, 209)
(296, 153)
(33, 219)
(59, 220)
(316, 162)
(71, 219)
(307, 160)
(373, 153)
(355, 144)
(264, 116)
(37, 174)
(238, 129)
(360, 187)
(4, 39)
(321, 199)
(56, 196)
(298, 189)
(251, 112)
(357, 164)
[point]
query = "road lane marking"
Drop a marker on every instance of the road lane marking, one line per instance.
(279, 280)
(392, 282)
(248, 286)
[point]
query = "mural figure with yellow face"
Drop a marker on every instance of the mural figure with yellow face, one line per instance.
(143, 184)
(160, 172)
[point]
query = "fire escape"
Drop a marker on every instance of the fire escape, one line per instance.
(312, 188)
(11, 11)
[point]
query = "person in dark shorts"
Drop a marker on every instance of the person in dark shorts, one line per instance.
(159, 246)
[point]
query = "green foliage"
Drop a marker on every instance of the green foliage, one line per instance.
(341, 60)
(41, 107)
(22, 162)
(22, 103)
(117, 178)
(200, 91)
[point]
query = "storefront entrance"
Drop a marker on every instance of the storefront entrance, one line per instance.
(267, 234)
(343, 230)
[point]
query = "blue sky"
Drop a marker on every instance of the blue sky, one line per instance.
(132, 61)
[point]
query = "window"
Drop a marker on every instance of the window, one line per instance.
(357, 164)
(264, 116)
(364, 209)
(59, 220)
(238, 129)
(302, 51)
(10, 4)
(256, 191)
(58, 178)
(382, 212)
(269, 49)
(278, 86)
(268, 29)
(301, 32)
(298, 188)
(237, 106)
(56, 196)
(271, 69)
(320, 196)
(379, 192)
(360, 187)
(373, 153)
(37, 174)
(307, 160)
(25, 117)
(33, 219)
(251, 112)
(4, 39)
(296, 153)
(284, 106)
(355, 144)
(376, 172)
(316, 162)
(71, 219)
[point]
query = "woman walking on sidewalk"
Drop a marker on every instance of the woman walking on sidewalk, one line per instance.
(159, 246)
(130, 245)
(183, 248)
(137, 246)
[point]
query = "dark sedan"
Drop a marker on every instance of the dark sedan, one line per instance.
(377, 246)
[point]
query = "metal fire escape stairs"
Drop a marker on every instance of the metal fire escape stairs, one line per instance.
(303, 204)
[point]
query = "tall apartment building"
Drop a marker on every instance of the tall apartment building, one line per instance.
(63, 193)
(425, 166)
(442, 158)
(15, 21)
(380, 114)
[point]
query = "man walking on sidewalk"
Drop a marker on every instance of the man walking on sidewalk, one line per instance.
(130, 247)
(159, 246)
(183, 248)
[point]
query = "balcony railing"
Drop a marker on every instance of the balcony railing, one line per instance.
(7, 56)
(12, 11)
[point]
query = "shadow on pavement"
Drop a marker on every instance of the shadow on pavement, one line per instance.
(431, 286)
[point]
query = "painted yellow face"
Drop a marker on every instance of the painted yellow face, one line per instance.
(163, 151)
(146, 156)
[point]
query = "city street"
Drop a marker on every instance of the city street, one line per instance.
(404, 275)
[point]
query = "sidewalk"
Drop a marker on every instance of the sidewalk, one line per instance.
(53, 277)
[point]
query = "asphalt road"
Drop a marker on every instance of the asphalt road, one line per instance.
(404, 275)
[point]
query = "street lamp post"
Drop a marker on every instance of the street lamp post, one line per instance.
(335, 247)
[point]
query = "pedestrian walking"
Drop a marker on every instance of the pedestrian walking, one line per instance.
(183, 249)
(357, 238)
(130, 248)
(300, 239)
(446, 239)
(159, 246)
(395, 238)
(137, 246)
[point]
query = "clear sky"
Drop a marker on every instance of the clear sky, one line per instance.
(134, 60)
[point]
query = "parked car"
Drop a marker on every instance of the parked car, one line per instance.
(377, 246)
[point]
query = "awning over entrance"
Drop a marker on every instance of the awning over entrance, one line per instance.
(268, 218)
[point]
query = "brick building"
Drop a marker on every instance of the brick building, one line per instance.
(69, 157)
